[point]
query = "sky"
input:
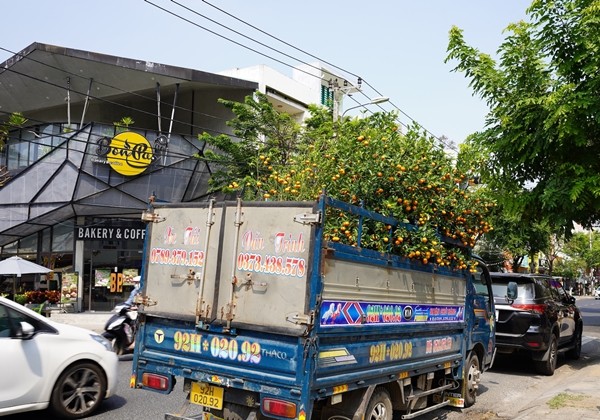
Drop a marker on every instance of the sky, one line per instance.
(397, 47)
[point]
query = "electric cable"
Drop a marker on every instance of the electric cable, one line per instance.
(238, 43)
(96, 81)
(275, 59)
(127, 107)
(98, 136)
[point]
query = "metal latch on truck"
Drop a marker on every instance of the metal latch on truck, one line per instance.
(308, 218)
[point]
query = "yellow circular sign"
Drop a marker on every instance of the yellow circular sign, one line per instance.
(130, 153)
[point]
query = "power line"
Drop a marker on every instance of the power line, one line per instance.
(282, 41)
(238, 43)
(96, 81)
(73, 138)
(253, 40)
(185, 123)
(273, 58)
(309, 54)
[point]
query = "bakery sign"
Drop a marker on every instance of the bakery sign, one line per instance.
(127, 153)
(109, 233)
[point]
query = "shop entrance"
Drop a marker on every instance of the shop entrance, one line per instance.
(108, 275)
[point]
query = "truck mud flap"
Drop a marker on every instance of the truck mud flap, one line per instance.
(201, 416)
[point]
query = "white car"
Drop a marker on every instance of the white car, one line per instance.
(45, 364)
(597, 293)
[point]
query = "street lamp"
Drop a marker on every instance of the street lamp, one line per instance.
(376, 100)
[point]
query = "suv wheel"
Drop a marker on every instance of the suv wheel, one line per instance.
(575, 351)
(547, 367)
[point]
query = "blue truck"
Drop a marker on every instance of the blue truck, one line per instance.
(255, 312)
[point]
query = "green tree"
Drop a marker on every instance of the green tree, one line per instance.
(259, 130)
(519, 231)
(363, 161)
(583, 249)
(15, 120)
(543, 128)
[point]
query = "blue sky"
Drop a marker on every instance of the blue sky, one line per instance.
(398, 47)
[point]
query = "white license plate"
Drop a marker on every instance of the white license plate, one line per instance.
(207, 395)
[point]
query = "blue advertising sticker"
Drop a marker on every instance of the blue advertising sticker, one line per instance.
(337, 313)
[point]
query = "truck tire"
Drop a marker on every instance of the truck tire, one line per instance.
(547, 367)
(471, 378)
(380, 406)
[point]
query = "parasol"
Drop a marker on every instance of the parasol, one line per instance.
(17, 266)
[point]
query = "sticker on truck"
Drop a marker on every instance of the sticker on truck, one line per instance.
(339, 313)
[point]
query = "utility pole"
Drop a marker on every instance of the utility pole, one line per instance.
(339, 90)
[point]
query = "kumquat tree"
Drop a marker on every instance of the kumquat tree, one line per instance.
(367, 162)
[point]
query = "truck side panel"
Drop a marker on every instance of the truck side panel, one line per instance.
(268, 258)
(345, 279)
(181, 265)
(238, 266)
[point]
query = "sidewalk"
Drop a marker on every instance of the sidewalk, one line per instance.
(91, 320)
(573, 392)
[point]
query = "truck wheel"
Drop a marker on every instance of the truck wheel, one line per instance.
(471, 379)
(547, 367)
(380, 406)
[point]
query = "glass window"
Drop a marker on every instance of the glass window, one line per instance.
(62, 237)
(31, 144)
(10, 248)
(525, 290)
(28, 245)
(480, 283)
(47, 240)
(4, 322)
(10, 317)
(17, 154)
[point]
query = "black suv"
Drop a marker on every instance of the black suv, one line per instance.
(535, 314)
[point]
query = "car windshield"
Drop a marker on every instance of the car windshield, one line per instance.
(526, 291)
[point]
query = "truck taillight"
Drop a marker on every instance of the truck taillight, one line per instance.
(531, 307)
(154, 381)
(279, 408)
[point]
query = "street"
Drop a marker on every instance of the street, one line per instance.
(509, 390)
(512, 388)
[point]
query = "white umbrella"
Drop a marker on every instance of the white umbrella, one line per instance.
(17, 266)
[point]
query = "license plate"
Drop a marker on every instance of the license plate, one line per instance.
(207, 395)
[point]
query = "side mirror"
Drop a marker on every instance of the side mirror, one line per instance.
(25, 330)
(511, 291)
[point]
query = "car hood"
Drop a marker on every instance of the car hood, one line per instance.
(71, 331)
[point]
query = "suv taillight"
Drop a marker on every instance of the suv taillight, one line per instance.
(538, 308)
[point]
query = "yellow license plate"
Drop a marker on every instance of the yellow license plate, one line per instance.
(207, 395)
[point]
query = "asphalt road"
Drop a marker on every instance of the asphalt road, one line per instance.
(511, 379)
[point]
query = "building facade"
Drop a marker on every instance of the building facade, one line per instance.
(103, 137)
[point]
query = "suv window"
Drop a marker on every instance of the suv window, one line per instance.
(543, 290)
(553, 291)
(526, 291)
